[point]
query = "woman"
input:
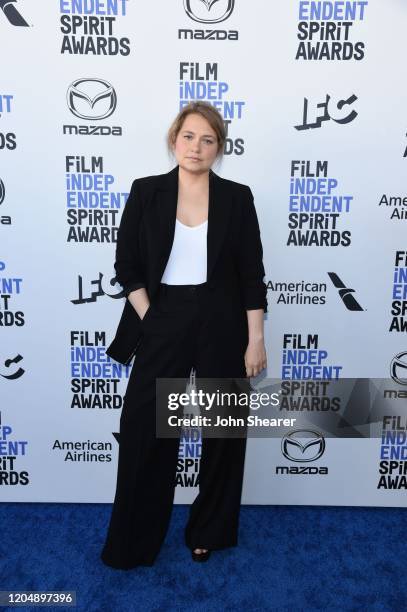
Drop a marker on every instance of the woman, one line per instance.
(189, 258)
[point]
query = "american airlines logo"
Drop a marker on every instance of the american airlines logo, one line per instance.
(345, 293)
(10, 11)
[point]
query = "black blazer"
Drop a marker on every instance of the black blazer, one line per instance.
(146, 234)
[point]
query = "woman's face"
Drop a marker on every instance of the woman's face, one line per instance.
(196, 145)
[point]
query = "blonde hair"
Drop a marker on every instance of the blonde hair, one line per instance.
(208, 112)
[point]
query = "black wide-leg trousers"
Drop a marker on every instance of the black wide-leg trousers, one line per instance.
(185, 326)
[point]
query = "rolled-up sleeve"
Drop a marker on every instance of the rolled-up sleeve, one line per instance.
(128, 266)
(250, 258)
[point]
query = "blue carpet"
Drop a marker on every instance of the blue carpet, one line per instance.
(289, 558)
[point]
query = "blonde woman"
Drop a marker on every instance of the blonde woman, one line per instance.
(189, 259)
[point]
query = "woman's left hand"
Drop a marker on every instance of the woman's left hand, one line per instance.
(255, 357)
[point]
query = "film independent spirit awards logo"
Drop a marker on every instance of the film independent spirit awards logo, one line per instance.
(10, 11)
(91, 99)
(209, 11)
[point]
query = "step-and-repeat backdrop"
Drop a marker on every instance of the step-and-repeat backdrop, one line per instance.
(314, 101)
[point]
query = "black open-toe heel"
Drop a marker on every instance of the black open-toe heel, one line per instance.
(203, 556)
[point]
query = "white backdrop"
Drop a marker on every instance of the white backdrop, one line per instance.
(55, 274)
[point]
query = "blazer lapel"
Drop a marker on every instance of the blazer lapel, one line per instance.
(219, 210)
(167, 198)
(220, 207)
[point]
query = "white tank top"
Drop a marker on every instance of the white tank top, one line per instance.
(186, 264)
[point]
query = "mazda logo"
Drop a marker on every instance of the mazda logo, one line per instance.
(398, 368)
(199, 10)
(303, 445)
(91, 99)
